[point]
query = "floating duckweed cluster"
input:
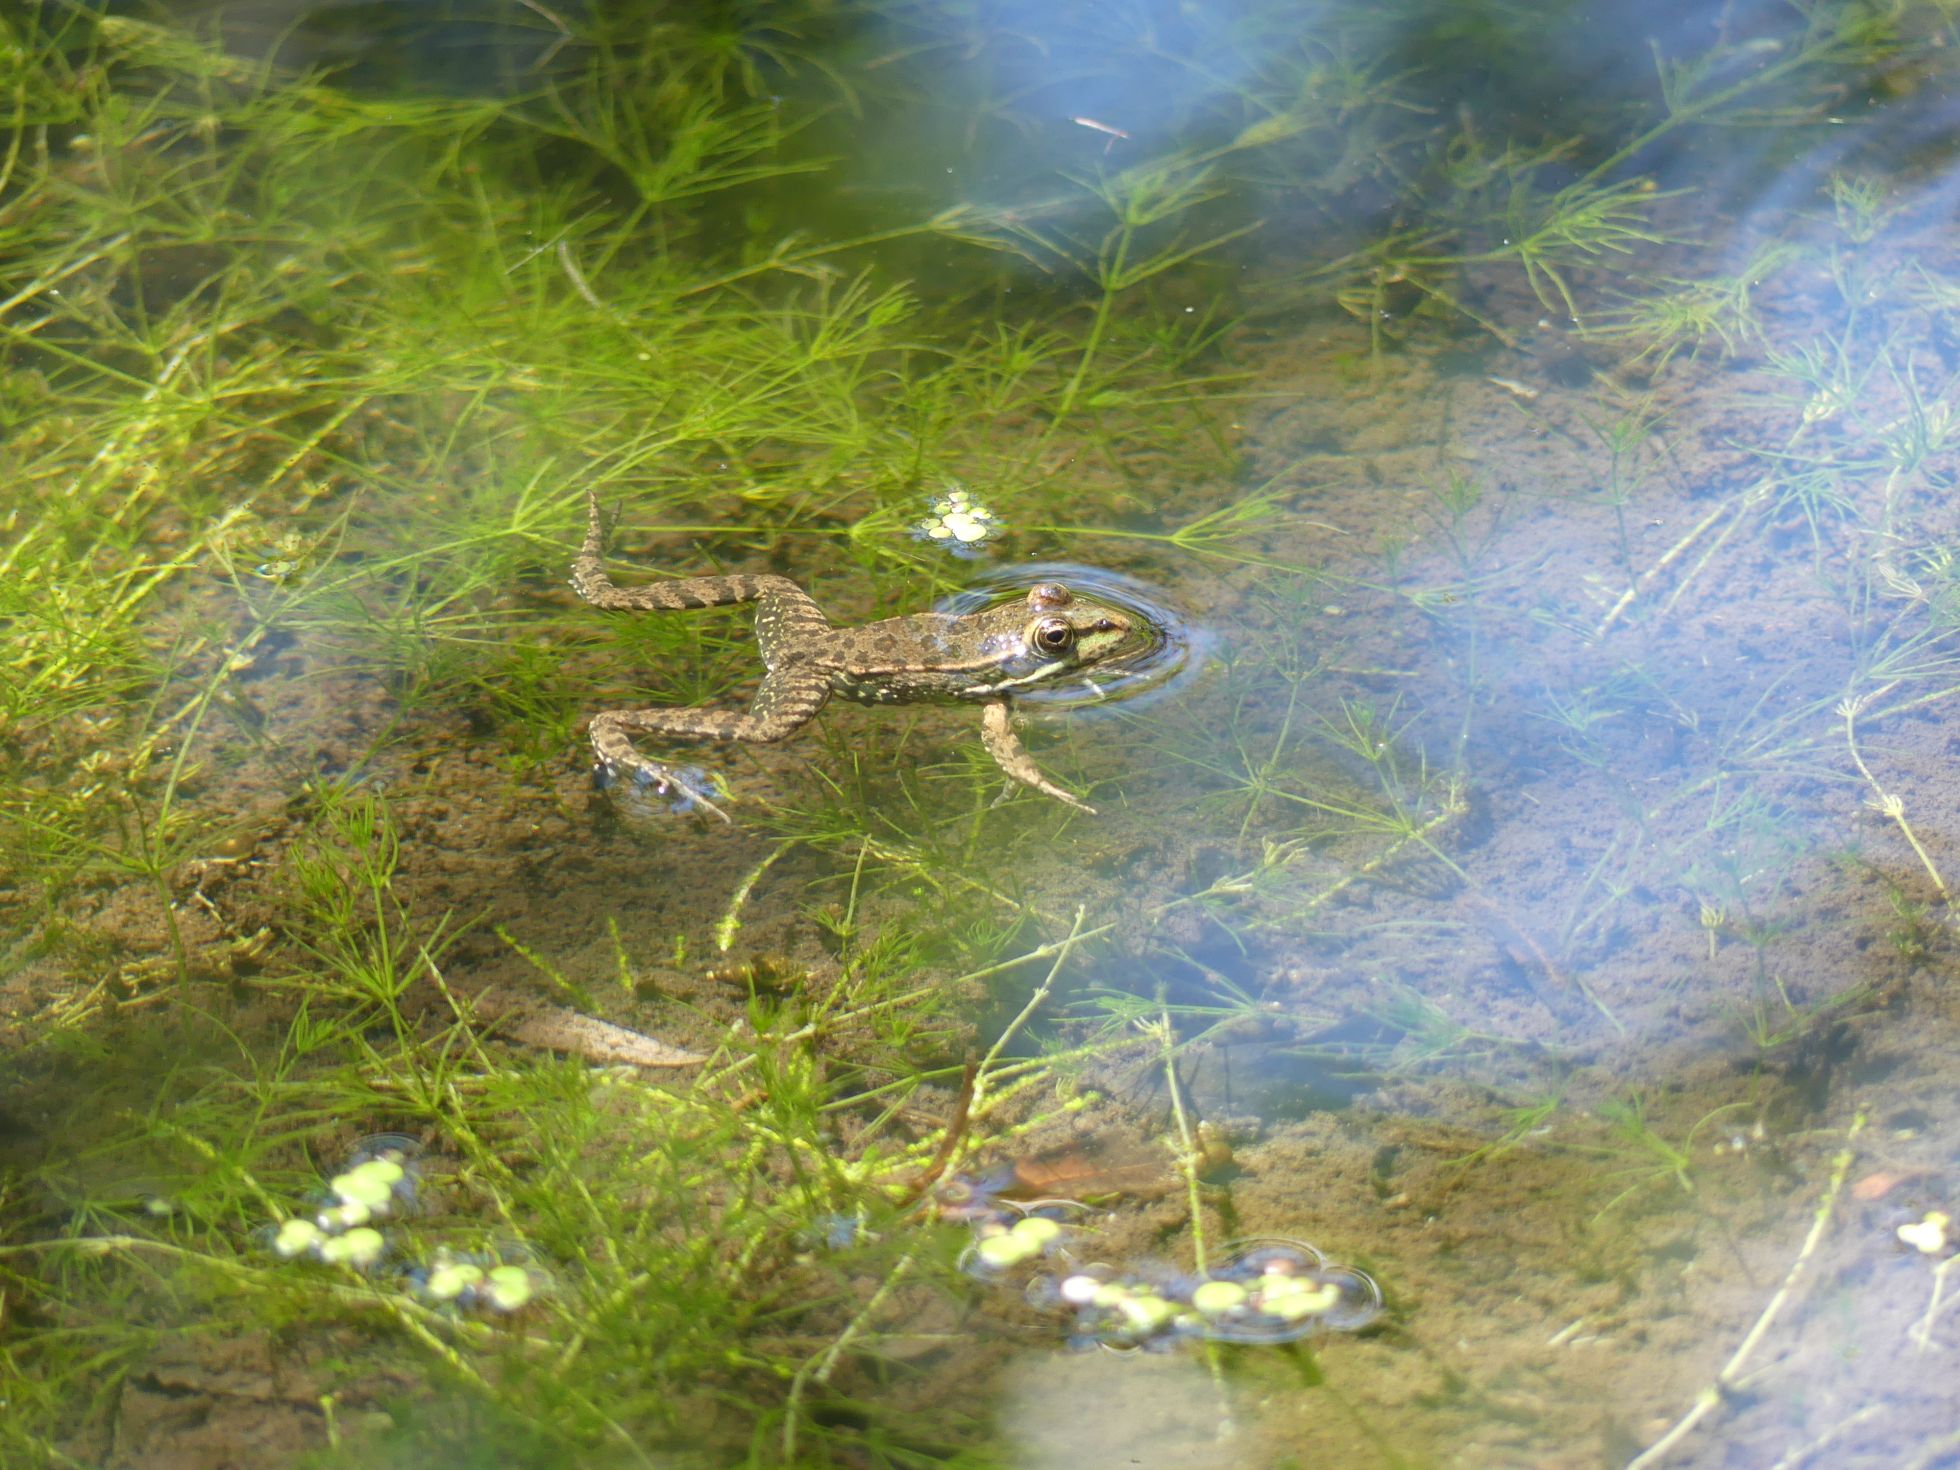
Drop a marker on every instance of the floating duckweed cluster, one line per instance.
(958, 522)
(379, 1181)
(1268, 1291)
(1930, 1234)
(487, 1283)
(1265, 1291)
(371, 1189)
(999, 1246)
(362, 1247)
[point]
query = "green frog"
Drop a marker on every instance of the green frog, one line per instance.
(987, 657)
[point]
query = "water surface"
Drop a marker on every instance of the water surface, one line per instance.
(1531, 890)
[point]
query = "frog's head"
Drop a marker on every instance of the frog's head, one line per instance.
(1065, 632)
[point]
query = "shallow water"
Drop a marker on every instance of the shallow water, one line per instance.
(1532, 877)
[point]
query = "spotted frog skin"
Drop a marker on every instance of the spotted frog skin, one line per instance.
(985, 657)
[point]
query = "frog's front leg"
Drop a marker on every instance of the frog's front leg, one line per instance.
(997, 731)
(788, 700)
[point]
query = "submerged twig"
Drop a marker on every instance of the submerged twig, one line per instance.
(1712, 1397)
(560, 1028)
(950, 1145)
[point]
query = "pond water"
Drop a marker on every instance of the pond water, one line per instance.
(1518, 879)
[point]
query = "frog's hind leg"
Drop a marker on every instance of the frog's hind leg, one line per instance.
(788, 699)
(997, 731)
(785, 613)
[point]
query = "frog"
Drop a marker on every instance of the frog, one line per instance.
(1047, 638)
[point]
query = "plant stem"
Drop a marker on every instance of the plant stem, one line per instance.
(1711, 1397)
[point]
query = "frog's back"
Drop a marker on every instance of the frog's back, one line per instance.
(910, 660)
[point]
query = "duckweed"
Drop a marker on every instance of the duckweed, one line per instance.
(361, 1248)
(958, 522)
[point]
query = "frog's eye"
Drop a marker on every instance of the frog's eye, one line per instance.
(1053, 635)
(1049, 594)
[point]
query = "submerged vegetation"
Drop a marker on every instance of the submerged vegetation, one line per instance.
(316, 343)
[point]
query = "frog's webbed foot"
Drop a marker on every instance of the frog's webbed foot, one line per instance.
(682, 790)
(997, 731)
(619, 761)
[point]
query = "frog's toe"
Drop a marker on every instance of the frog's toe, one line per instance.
(1046, 789)
(683, 791)
(1065, 799)
(691, 797)
(638, 776)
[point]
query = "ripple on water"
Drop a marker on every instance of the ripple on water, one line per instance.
(1168, 653)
